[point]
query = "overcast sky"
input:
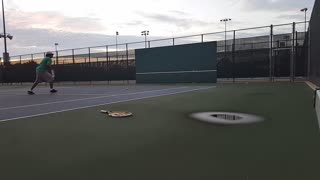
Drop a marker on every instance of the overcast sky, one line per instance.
(37, 24)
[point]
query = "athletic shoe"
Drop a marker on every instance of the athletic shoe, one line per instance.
(30, 92)
(53, 91)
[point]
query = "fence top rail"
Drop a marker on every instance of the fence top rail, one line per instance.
(287, 24)
(245, 29)
(164, 39)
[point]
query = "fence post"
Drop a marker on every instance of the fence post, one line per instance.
(309, 53)
(107, 56)
(201, 38)
(89, 49)
(296, 55)
(172, 41)
(73, 61)
(233, 55)
(127, 57)
(31, 57)
(20, 60)
(271, 63)
(149, 44)
(57, 57)
(292, 53)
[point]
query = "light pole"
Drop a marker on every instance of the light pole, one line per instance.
(225, 33)
(305, 18)
(306, 37)
(145, 34)
(117, 34)
(5, 36)
(56, 45)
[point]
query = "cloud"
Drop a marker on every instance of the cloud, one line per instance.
(37, 31)
(275, 5)
(27, 41)
(181, 13)
(35, 40)
(133, 23)
(290, 16)
(174, 20)
(53, 21)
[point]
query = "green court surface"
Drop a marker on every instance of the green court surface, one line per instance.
(162, 142)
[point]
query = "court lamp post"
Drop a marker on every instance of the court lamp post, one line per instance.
(225, 33)
(56, 45)
(4, 35)
(306, 37)
(117, 34)
(305, 18)
(5, 54)
(145, 34)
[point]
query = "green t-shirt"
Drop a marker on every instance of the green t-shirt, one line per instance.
(43, 65)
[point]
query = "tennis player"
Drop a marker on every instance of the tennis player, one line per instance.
(44, 73)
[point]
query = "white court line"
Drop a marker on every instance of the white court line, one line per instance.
(37, 94)
(7, 91)
(74, 94)
(1, 94)
(72, 109)
(317, 106)
(311, 85)
(176, 72)
(317, 95)
(75, 100)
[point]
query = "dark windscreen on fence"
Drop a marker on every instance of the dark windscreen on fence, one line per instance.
(315, 44)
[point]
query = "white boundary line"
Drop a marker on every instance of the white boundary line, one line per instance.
(311, 85)
(74, 94)
(134, 99)
(317, 105)
(176, 72)
(24, 89)
(38, 94)
(11, 94)
(98, 97)
(317, 95)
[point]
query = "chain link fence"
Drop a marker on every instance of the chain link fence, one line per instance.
(270, 52)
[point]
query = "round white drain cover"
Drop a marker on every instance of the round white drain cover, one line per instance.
(227, 118)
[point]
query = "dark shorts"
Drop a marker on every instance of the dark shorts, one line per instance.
(44, 77)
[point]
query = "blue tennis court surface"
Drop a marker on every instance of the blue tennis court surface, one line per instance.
(17, 104)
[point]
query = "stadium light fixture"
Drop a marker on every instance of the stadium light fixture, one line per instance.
(145, 34)
(6, 36)
(9, 36)
(225, 33)
(304, 9)
(56, 45)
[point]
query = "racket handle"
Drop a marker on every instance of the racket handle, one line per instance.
(52, 73)
(104, 111)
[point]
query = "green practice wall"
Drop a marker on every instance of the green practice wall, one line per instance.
(177, 64)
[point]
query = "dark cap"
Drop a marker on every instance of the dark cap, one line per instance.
(49, 53)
